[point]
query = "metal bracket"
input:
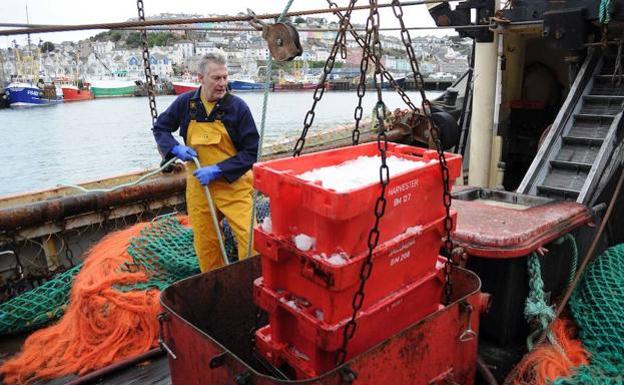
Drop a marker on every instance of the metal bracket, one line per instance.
(347, 375)
(468, 333)
(443, 15)
(243, 379)
(217, 361)
(162, 317)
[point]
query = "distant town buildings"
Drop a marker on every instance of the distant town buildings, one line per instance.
(176, 52)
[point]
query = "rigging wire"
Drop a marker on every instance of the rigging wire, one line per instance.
(224, 29)
(215, 19)
(265, 102)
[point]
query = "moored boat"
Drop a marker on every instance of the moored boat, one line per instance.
(113, 88)
(26, 94)
(182, 87)
(75, 93)
(245, 85)
(299, 86)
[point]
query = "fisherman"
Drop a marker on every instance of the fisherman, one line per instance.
(217, 128)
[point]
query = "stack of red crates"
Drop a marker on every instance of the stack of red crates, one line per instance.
(308, 294)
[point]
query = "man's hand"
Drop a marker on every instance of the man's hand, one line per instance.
(207, 174)
(183, 152)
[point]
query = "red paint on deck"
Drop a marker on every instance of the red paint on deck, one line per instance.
(489, 229)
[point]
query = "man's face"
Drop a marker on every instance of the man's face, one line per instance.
(214, 81)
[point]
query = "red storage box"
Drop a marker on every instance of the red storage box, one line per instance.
(341, 221)
(330, 287)
(295, 327)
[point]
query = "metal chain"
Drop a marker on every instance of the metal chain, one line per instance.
(146, 65)
(363, 44)
(361, 88)
(384, 178)
(320, 87)
(426, 106)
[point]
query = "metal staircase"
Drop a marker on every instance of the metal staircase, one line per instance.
(583, 146)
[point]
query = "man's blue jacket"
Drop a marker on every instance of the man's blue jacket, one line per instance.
(233, 113)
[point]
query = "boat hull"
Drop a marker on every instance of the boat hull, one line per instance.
(299, 86)
(75, 94)
(28, 96)
(241, 85)
(112, 92)
(180, 88)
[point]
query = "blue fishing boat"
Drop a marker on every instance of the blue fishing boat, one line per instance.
(245, 85)
(25, 94)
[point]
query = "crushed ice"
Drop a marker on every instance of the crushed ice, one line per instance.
(338, 259)
(267, 225)
(304, 242)
(359, 172)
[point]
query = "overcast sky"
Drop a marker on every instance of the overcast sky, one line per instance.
(99, 11)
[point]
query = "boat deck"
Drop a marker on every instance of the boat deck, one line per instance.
(154, 371)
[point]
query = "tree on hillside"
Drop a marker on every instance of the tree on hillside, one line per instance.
(133, 40)
(48, 46)
(159, 38)
(115, 36)
(102, 36)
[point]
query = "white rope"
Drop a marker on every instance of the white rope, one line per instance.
(265, 102)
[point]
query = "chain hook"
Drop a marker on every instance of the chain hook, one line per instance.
(162, 317)
(254, 21)
(468, 333)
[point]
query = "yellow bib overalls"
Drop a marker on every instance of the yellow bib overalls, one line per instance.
(231, 200)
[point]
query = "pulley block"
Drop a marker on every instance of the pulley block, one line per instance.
(282, 39)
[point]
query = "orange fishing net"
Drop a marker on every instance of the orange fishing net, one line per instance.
(102, 324)
(548, 362)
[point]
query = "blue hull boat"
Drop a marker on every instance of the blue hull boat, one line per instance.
(27, 94)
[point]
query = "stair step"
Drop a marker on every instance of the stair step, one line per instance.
(577, 153)
(589, 130)
(583, 140)
(604, 98)
(607, 70)
(554, 192)
(563, 182)
(595, 106)
(593, 119)
(574, 166)
(608, 85)
(608, 76)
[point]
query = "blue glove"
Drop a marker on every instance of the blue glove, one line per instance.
(183, 152)
(207, 174)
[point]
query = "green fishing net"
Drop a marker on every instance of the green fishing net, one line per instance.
(597, 306)
(38, 306)
(164, 250)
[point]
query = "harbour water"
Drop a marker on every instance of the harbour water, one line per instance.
(43, 147)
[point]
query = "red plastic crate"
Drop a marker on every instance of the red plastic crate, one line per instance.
(295, 327)
(330, 288)
(341, 221)
(278, 354)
